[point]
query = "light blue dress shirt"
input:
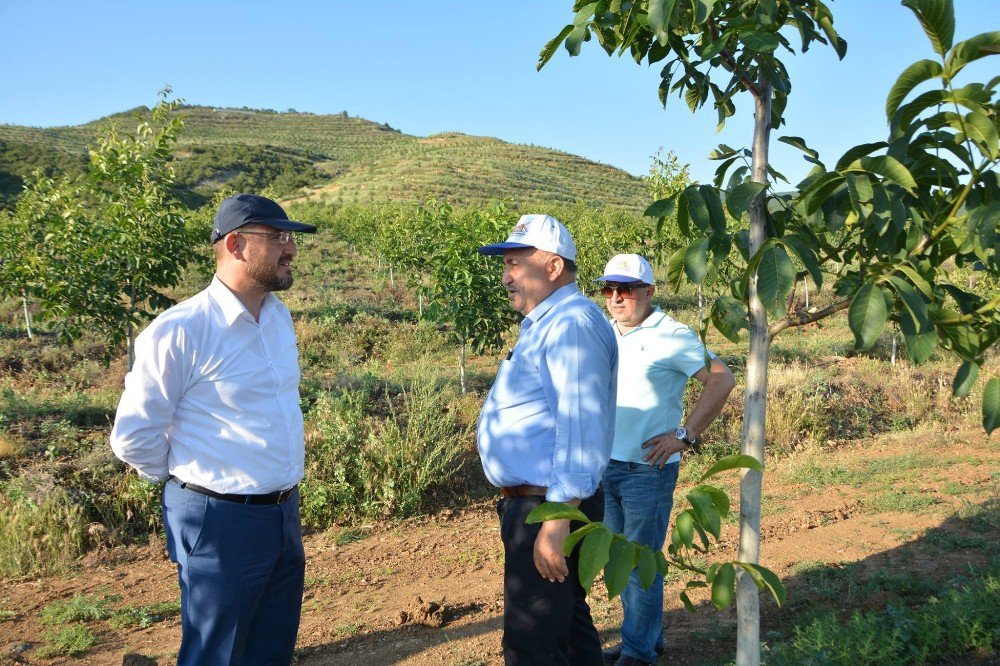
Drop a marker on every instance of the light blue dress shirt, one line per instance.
(549, 419)
(657, 359)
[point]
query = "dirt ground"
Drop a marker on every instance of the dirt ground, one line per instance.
(371, 601)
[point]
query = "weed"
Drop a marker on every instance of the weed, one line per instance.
(70, 641)
(347, 629)
(7, 615)
(37, 538)
(80, 608)
(904, 500)
(144, 616)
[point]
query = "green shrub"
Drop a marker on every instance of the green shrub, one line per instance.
(79, 608)
(72, 640)
(959, 622)
(360, 464)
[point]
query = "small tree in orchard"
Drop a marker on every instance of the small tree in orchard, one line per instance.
(883, 222)
(140, 226)
(461, 289)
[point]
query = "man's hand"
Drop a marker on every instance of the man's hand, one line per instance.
(661, 448)
(549, 558)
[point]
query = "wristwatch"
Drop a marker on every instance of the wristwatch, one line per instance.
(682, 434)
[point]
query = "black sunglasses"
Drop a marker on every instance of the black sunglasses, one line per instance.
(608, 290)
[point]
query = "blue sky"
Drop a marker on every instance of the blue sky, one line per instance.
(439, 65)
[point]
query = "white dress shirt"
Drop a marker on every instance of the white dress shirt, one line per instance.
(213, 397)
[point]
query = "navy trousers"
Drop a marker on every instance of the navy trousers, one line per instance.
(544, 623)
(241, 569)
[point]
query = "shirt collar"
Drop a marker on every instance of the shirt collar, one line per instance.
(552, 300)
(232, 307)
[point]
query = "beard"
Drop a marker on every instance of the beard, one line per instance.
(267, 278)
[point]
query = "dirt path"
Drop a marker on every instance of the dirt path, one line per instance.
(369, 601)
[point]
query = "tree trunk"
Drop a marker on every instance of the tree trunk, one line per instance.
(805, 284)
(701, 306)
(754, 405)
(27, 315)
(392, 279)
(130, 355)
(895, 346)
(461, 369)
(420, 305)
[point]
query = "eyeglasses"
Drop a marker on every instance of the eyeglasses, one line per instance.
(283, 237)
(625, 290)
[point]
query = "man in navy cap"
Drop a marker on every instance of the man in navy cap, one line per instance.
(212, 407)
(545, 433)
(657, 357)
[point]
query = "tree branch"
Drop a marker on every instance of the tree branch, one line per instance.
(806, 318)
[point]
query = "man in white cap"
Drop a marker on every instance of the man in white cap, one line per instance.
(545, 433)
(657, 357)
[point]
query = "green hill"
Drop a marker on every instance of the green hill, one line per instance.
(335, 157)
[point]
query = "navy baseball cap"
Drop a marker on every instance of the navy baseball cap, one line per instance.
(242, 209)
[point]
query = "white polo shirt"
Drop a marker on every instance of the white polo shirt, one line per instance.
(655, 361)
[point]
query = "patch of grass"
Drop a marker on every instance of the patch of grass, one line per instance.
(348, 629)
(954, 488)
(79, 608)
(144, 616)
(37, 538)
(903, 500)
(946, 540)
(956, 624)
(813, 471)
(983, 518)
(69, 641)
(346, 535)
(7, 615)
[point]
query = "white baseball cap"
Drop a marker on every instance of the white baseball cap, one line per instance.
(539, 231)
(627, 268)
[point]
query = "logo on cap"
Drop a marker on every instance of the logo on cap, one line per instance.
(519, 230)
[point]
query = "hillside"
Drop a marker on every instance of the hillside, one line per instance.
(336, 157)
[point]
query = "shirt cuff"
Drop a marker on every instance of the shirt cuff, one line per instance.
(571, 486)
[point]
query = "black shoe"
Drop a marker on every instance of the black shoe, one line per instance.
(626, 660)
(612, 653)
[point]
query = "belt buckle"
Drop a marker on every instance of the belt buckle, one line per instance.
(283, 495)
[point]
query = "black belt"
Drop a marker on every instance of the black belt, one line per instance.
(267, 498)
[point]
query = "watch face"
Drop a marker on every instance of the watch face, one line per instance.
(681, 433)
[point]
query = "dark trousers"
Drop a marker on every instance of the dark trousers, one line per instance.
(543, 622)
(241, 570)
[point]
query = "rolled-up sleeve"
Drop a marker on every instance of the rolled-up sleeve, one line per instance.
(153, 389)
(579, 375)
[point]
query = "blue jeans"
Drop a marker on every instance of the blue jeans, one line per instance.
(637, 503)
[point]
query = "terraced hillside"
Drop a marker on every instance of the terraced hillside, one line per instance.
(336, 157)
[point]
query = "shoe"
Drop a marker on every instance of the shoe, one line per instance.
(626, 660)
(612, 653)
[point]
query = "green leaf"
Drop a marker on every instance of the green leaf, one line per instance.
(734, 461)
(853, 154)
(937, 18)
(594, 554)
(800, 143)
(555, 511)
(687, 602)
(739, 198)
(761, 42)
(662, 208)
(730, 317)
(981, 129)
(659, 14)
(766, 577)
(706, 513)
(716, 216)
(675, 269)
(684, 529)
(647, 567)
(620, 558)
(887, 167)
(696, 260)
(550, 48)
(984, 44)
(718, 496)
(574, 537)
(775, 277)
(965, 379)
(724, 586)
(912, 76)
(991, 405)
(867, 315)
(805, 253)
(575, 39)
(697, 208)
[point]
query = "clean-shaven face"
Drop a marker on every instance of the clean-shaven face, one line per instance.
(629, 309)
(528, 277)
